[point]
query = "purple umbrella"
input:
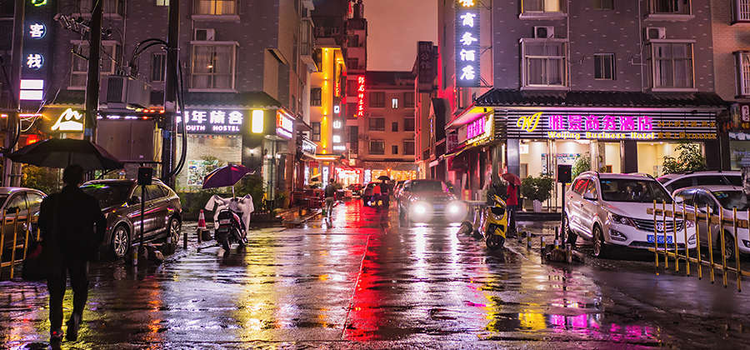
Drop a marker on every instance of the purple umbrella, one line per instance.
(225, 176)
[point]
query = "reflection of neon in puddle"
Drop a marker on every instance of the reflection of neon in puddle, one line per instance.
(589, 325)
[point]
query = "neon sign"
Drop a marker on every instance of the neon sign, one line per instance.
(591, 126)
(213, 122)
(467, 44)
(37, 36)
(284, 124)
(69, 121)
(361, 96)
(478, 130)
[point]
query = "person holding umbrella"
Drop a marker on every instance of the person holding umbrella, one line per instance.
(513, 183)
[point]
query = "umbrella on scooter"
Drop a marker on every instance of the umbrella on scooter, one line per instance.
(512, 178)
(225, 176)
(59, 153)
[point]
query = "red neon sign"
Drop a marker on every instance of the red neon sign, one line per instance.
(361, 96)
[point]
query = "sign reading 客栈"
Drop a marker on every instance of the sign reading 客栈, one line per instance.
(213, 121)
(614, 127)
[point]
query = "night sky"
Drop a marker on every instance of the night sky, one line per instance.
(395, 26)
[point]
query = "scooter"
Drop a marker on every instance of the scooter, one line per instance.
(230, 230)
(494, 223)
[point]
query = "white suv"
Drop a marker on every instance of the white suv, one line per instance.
(673, 182)
(611, 211)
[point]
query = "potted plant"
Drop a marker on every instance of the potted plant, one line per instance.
(537, 189)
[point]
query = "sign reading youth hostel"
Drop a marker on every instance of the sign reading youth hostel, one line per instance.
(612, 126)
(213, 121)
(467, 43)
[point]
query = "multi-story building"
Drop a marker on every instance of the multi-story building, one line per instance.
(427, 137)
(386, 127)
(244, 75)
(618, 83)
(731, 48)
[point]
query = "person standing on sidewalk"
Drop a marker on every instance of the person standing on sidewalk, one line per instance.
(512, 203)
(330, 193)
(72, 227)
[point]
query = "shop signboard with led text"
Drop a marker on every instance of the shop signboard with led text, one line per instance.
(227, 122)
(284, 124)
(38, 30)
(478, 130)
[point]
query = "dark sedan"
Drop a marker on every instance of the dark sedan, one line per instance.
(120, 201)
(17, 205)
(425, 201)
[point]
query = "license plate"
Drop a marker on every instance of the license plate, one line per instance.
(439, 206)
(225, 222)
(660, 240)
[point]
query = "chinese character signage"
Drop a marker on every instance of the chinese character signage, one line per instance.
(467, 43)
(284, 124)
(426, 61)
(477, 130)
(37, 39)
(213, 121)
(361, 96)
(613, 126)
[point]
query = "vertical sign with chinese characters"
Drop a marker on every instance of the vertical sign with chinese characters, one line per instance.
(426, 65)
(37, 39)
(467, 44)
(360, 96)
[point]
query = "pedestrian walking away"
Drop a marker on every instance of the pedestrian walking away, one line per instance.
(72, 227)
(330, 193)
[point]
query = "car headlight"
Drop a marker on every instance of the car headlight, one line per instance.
(456, 210)
(421, 210)
(624, 220)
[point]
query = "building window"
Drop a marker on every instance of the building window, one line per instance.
(158, 62)
(377, 147)
(80, 66)
(408, 100)
(162, 2)
(215, 7)
(352, 63)
(353, 41)
(604, 66)
(377, 124)
(316, 96)
(394, 103)
(213, 67)
(316, 131)
(604, 4)
(743, 66)
(542, 6)
(409, 147)
(741, 11)
(110, 6)
(354, 139)
(670, 7)
(377, 99)
(672, 65)
(544, 63)
(394, 126)
(394, 149)
(408, 124)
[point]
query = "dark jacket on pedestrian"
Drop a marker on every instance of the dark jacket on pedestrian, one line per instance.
(79, 228)
(330, 190)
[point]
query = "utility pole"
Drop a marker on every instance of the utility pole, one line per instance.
(19, 15)
(92, 82)
(170, 95)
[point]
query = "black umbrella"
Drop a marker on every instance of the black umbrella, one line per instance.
(59, 153)
(384, 178)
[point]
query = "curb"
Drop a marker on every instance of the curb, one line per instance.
(303, 219)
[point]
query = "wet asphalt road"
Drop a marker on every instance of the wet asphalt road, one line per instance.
(360, 281)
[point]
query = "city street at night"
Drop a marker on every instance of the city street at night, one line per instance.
(364, 282)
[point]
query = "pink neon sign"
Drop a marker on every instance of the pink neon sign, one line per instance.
(600, 123)
(476, 128)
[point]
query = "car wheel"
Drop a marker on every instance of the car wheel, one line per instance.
(728, 245)
(174, 231)
(120, 242)
(600, 248)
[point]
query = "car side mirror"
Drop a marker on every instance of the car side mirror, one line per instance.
(679, 200)
(589, 197)
(134, 200)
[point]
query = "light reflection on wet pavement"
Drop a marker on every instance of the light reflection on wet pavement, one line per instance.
(355, 280)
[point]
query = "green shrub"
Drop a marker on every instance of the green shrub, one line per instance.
(690, 158)
(537, 188)
(46, 180)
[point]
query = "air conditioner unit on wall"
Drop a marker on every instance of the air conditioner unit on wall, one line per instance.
(205, 34)
(544, 32)
(653, 33)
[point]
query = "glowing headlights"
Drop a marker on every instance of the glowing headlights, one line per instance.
(456, 211)
(421, 212)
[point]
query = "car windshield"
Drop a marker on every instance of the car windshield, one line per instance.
(108, 194)
(428, 186)
(633, 190)
(732, 199)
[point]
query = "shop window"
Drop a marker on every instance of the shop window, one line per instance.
(162, 2)
(408, 100)
(741, 11)
(604, 66)
(670, 7)
(79, 70)
(377, 99)
(215, 7)
(109, 6)
(671, 65)
(316, 131)
(743, 74)
(542, 7)
(394, 126)
(544, 63)
(213, 66)
(158, 62)
(408, 124)
(394, 103)
(377, 147)
(316, 97)
(377, 124)
(394, 149)
(409, 147)
(604, 4)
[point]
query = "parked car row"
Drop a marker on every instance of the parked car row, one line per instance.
(611, 210)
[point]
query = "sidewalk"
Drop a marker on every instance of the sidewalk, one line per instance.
(298, 215)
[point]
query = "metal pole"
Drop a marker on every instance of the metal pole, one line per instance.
(737, 251)
(143, 215)
(170, 95)
(698, 242)
(710, 238)
(674, 236)
(723, 248)
(687, 246)
(664, 225)
(2, 237)
(15, 241)
(656, 244)
(28, 229)
(92, 81)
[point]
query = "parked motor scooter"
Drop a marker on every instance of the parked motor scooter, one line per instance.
(230, 230)
(494, 223)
